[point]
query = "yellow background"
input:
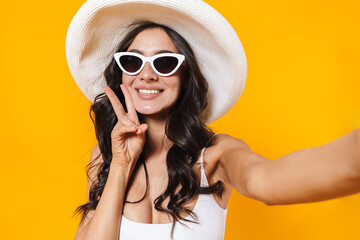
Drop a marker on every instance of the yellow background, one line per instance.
(302, 91)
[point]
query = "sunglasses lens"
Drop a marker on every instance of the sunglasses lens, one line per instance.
(165, 64)
(130, 63)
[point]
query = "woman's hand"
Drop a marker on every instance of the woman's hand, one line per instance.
(127, 136)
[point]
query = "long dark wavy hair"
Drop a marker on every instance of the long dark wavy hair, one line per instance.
(185, 128)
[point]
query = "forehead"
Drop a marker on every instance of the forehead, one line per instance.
(150, 41)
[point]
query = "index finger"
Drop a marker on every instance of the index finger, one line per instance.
(115, 102)
(130, 105)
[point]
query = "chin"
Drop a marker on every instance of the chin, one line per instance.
(151, 111)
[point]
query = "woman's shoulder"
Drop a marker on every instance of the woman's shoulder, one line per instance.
(225, 142)
(224, 146)
(218, 166)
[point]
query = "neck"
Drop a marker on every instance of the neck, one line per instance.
(156, 141)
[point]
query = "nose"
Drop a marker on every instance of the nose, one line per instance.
(147, 73)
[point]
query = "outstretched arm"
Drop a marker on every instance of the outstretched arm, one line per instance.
(314, 174)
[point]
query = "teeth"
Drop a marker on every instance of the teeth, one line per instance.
(144, 91)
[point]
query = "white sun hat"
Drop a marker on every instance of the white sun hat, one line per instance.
(99, 26)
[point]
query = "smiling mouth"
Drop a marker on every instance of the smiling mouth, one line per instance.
(146, 91)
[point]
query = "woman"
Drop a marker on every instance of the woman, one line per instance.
(147, 171)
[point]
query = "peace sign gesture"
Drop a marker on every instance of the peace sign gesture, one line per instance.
(127, 136)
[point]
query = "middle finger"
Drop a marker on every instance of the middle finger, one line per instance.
(118, 107)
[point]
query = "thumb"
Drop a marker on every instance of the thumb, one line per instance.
(143, 127)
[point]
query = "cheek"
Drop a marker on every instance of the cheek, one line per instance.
(174, 83)
(127, 81)
(177, 89)
(177, 94)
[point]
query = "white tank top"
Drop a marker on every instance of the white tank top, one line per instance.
(211, 219)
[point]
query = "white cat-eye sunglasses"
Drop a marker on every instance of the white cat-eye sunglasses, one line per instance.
(164, 64)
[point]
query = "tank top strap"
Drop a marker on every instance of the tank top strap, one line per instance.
(204, 182)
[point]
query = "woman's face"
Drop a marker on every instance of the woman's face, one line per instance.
(148, 43)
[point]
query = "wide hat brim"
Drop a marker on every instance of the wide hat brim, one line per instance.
(99, 26)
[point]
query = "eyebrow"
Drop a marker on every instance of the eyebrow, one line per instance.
(157, 52)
